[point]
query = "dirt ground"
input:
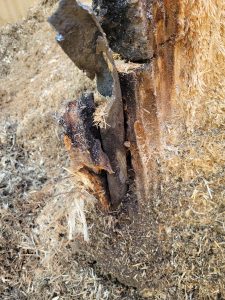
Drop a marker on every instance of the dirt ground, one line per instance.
(177, 252)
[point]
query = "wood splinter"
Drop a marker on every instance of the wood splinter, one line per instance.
(82, 141)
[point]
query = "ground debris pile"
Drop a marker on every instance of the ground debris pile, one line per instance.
(40, 218)
(17, 177)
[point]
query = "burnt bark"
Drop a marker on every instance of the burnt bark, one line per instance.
(128, 26)
(81, 37)
(82, 141)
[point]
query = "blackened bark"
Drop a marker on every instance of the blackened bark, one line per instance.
(81, 37)
(128, 27)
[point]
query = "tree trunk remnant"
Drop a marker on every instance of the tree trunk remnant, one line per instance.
(143, 33)
(170, 119)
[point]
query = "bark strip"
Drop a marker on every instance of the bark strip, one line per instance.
(82, 140)
(81, 37)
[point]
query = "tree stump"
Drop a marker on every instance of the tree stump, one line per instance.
(160, 82)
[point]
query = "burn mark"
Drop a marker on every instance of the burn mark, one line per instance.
(82, 140)
(83, 40)
(128, 27)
